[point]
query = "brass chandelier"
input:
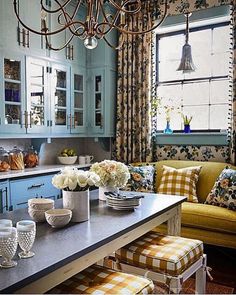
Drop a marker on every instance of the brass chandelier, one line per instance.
(102, 16)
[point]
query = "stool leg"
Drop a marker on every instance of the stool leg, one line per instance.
(175, 284)
(200, 285)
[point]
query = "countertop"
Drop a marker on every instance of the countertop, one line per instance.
(55, 248)
(37, 170)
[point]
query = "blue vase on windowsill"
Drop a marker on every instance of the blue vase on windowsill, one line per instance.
(168, 130)
(187, 128)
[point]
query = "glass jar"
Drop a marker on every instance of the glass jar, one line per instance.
(4, 160)
(31, 158)
(16, 159)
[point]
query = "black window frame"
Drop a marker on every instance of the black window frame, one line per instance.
(184, 81)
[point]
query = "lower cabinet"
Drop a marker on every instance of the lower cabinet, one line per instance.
(4, 196)
(21, 190)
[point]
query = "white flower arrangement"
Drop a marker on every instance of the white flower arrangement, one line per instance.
(72, 179)
(111, 173)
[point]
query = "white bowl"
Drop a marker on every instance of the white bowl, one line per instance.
(41, 204)
(58, 217)
(67, 160)
(37, 215)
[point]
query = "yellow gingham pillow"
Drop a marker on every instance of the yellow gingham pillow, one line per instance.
(181, 182)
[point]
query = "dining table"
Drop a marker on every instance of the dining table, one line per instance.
(60, 253)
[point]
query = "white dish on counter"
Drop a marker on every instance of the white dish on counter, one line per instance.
(67, 160)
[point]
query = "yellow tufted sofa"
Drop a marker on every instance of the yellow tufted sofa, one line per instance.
(211, 224)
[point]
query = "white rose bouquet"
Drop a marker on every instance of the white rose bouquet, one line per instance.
(111, 173)
(72, 179)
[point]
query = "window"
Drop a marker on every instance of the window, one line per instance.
(204, 93)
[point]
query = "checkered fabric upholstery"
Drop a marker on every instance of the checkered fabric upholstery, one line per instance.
(164, 254)
(181, 182)
(99, 280)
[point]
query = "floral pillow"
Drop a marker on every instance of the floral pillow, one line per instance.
(223, 193)
(141, 179)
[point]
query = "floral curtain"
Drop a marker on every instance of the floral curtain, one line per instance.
(133, 139)
(233, 129)
(133, 136)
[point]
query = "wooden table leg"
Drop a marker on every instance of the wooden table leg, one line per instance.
(174, 223)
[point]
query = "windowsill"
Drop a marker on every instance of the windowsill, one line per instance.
(207, 138)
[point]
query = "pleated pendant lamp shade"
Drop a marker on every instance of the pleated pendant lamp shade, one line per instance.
(186, 63)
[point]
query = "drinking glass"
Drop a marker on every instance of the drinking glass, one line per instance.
(4, 223)
(26, 230)
(8, 246)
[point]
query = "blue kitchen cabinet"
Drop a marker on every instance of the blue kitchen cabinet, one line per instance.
(12, 87)
(21, 190)
(79, 104)
(13, 35)
(4, 196)
(38, 98)
(101, 88)
(102, 94)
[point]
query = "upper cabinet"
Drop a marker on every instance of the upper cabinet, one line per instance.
(13, 35)
(78, 114)
(13, 93)
(46, 93)
(101, 65)
(37, 103)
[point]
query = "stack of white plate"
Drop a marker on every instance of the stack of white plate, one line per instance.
(123, 203)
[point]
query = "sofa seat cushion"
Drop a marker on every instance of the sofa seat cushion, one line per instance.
(161, 253)
(208, 217)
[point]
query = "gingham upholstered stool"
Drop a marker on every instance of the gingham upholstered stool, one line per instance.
(99, 280)
(167, 259)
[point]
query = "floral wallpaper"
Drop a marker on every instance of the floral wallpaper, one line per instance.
(191, 152)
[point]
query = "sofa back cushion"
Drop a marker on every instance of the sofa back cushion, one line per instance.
(207, 177)
(180, 182)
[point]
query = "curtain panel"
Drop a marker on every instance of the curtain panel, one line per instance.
(133, 126)
(133, 136)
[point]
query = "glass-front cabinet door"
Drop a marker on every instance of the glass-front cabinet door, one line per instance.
(78, 107)
(60, 99)
(13, 93)
(37, 113)
(97, 120)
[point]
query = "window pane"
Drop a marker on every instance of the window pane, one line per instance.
(200, 116)
(196, 93)
(170, 47)
(219, 117)
(173, 92)
(168, 71)
(200, 42)
(221, 39)
(219, 92)
(220, 64)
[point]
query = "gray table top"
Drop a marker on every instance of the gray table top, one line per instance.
(55, 248)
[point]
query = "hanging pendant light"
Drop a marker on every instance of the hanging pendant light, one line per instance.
(100, 18)
(186, 63)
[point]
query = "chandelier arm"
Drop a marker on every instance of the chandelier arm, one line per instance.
(120, 8)
(97, 6)
(107, 21)
(56, 10)
(59, 48)
(45, 33)
(75, 32)
(144, 31)
(76, 9)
